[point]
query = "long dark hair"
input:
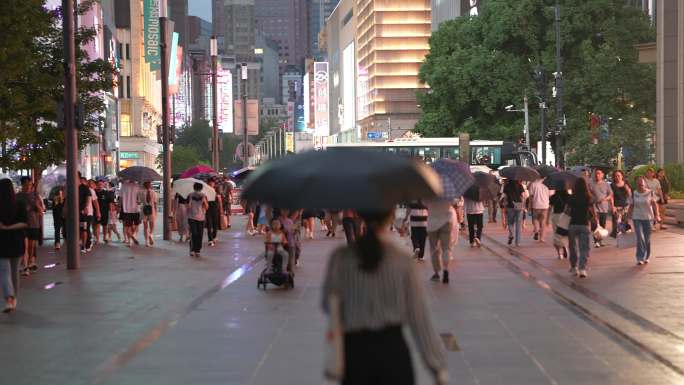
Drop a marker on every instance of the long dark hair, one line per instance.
(581, 190)
(8, 201)
(369, 246)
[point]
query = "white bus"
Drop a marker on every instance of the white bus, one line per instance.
(490, 153)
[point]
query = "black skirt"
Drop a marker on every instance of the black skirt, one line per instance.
(378, 357)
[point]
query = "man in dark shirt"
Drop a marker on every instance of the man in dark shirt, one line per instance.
(104, 199)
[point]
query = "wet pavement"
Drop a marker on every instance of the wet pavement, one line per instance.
(155, 316)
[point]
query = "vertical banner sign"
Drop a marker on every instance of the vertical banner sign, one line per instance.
(290, 116)
(300, 123)
(152, 34)
(307, 100)
(321, 127)
(173, 64)
(225, 100)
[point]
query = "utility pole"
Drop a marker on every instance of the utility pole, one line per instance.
(71, 135)
(560, 114)
(214, 104)
(541, 89)
(166, 140)
(245, 143)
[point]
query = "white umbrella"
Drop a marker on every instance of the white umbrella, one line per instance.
(185, 186)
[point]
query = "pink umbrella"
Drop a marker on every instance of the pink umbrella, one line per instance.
(199, 169)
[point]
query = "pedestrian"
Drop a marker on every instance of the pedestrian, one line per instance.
(309, 222)
(460, 215)
(441, 219)
(558, 202)
(349, 224)
(296, 217)
(474, 210)
(197, 213)
(582, 215)
(417, 217)
(13, 223)
(228, 200)
(105, 198)
(113, 216)
(30, 199)
(288, 227)
(622, 193)
(653, 184)
(130, 211)
(493, 205)
(514, 196)
(212, 217)
(333, 220)
(643, 210)
(262, 218)
(665, 187)
(539, 203)
(603, 201)
(95, 216)
(148, 212)
(377, 289)
(250, 210)
(180, 215)
(58, 222)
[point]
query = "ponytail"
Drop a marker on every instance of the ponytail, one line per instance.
(369, 246)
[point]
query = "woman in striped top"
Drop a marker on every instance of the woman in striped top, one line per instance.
(417, 215)
(379, 292)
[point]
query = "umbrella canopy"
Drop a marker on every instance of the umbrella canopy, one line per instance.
(349, 179)
(139, 174)
(520, 173)
(562, 180)
(485, 187)
(206, 175)
(455, 175)
(185, 186)
(199, 169)
(546, 170)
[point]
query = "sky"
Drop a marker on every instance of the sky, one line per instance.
(201, 8)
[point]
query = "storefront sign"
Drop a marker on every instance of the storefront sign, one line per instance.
(129, 155)
(225, 100)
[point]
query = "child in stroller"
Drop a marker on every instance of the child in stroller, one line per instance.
(275, 256)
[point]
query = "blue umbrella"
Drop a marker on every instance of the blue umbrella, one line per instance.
(455, 175)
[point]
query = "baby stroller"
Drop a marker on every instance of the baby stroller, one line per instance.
(274, 273)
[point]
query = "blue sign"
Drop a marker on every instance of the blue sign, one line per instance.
(374, 135)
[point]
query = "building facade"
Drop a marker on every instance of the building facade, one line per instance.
(139, 91)
(319, 11)
(286, 22)
(267, 56)
(392, 41)
(233, 22)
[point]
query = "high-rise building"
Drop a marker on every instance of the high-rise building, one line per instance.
(233, 22)
(267, 56)
(319, 11)
(444, 10)
(199, 33)
(391, 44)
(286, 22)
(178, 13)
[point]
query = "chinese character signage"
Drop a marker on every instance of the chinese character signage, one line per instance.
(321, 126)
(290, 116)
(152, 34)
(224, 81)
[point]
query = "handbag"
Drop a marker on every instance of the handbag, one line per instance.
(600, 233)
(626, 240)
(334, 349)
(563, 222)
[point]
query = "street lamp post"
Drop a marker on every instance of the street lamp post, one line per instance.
(70, 135)
(166, 139)
(560, 114)
(213, 51)
(526, 110)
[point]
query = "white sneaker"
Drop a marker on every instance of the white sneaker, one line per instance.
(573, 271)
(639, 263)
(583, 273)
(477, 242)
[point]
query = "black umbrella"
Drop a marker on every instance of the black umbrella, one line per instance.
(562, 180)
(348, 178)
(485, 187)
(546, 170)
(520, 173)
(139, 174)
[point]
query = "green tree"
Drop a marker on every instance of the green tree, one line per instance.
(32, 84)
(478, 65)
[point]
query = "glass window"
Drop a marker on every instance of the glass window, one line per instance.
(128, 87)
(126, 129)
(485, 155)
(450, 152)
(427, 154)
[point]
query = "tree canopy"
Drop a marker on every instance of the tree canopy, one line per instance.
(32, 84)
(478, 65)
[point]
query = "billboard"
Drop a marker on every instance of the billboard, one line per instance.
(321, 99)
(224, 80)
(348, 86)
(300, 123)
(290, 116)
(307, 100)
(252, 117)
(152, 34)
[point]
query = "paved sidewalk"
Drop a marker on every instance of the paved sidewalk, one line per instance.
(154, 316)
